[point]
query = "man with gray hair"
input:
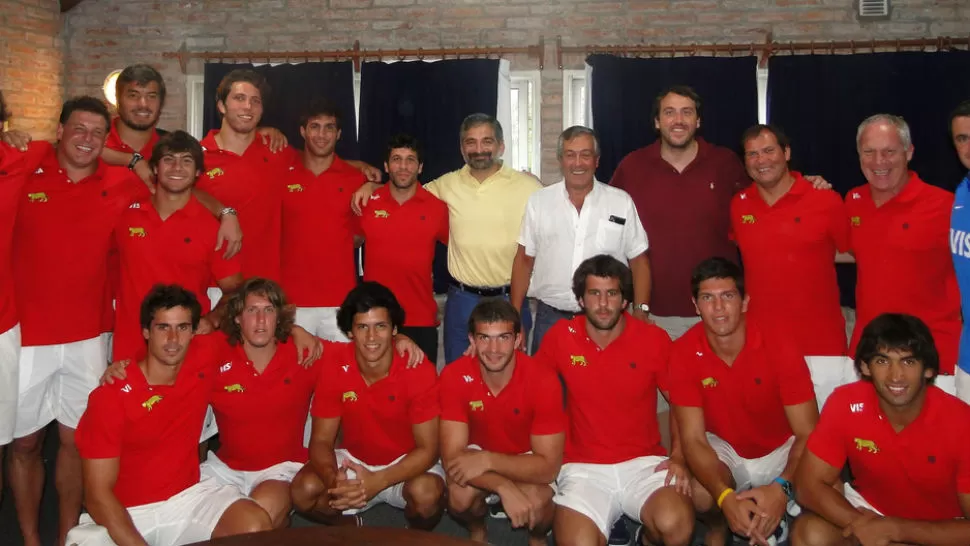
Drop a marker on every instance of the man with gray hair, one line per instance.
(566, 223)
(899, 229)
(486, 199)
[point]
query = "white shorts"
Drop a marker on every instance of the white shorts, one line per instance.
(962, 381)
(55, 381)
(856, 499)
(947, 383)
(321, 322)
(750, 473)
(393, 495)
(244, 480)
(189, 516)
(9, 382)
(605, 492)
(829, 373)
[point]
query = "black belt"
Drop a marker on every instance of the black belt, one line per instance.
(569, 314)
(483, 291)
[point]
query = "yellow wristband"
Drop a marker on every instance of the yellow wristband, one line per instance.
(724, 493)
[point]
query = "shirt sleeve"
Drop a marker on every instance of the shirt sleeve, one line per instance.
(621, 177)
(549, 416)
(634, 234)
(527, 233)
(99, 432)
(443, 223)
(327, 402)
(734, 172)
(546, 355)
(453, 407)
(685, 389)
(433, 187)
(735, 213)
(826, 440)
(663, 346)
(838, 223)
(221, 268)
(963, 464)
(424, 404)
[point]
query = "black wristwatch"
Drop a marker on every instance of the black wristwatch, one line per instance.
(135, 158)
(786, 487)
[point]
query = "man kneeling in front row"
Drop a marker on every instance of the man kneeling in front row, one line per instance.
(388, 414)
(906, 441)
(138, 441)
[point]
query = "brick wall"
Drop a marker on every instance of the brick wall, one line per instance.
(31, 64)
(103, 35)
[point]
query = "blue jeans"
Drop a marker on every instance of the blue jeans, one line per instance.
(546, 316)
(458, 308)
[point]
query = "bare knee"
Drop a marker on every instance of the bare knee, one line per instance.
(424, 493)
(242, 516)
(571, 528)
(28, 446)
(811, 530)
(274, 497)
(306, 490)
(466, 501)
(669, 516)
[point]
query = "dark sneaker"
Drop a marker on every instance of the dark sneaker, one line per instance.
(497, 511)
(780, 536)
(619, 536)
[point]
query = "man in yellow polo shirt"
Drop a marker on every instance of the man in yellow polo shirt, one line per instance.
(486, 201)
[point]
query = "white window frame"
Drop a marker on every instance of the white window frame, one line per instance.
(195, 99)
(574, 90)
(528, 145)
(762, 77)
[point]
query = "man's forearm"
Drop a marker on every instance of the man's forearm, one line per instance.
(827, 502)
(704, 464)
(323, 460)
(795, 455)
(640, 269)
(954, 532)
(676, 448)
(491, 481)
(114, 157)
(210, 203)
(415, 463)
(521, 276)
(525, 468)
(109, 513)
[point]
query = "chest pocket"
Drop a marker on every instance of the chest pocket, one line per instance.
(609, 237)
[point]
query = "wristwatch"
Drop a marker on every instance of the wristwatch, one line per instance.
(645, 307)
(135, 158)
(227, 210)
(786, 487)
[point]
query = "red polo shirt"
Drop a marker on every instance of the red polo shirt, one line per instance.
(376, 420)
(904, 263)
(114, 141)
(695, 229)
(916, 473)
(178, 250)
(789, 262)
(400, 246)
(529, 405)
(15, 168)
(261, 416)
(318, 233)
(60, 251)
(611, 393)
(250, 183)
(744, 403)
(152, 429)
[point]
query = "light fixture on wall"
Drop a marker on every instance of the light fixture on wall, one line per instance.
(109, 88)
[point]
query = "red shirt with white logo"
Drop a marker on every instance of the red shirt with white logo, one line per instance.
(153, 430)
(917, 473)
(261, 416)
(318, 233)
(15, 167)
(529, 405)
(60, 251)
(744, 403)
(792, 243)
(376, 420)
(400, 246)
(250, 183)
(904, 263)
(611, 393)
(178, 250)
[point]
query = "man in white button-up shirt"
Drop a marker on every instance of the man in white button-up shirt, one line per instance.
(567, 222)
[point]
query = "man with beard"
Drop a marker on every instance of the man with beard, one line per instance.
(960, 240)
(788, 234)
(898, 234)
(486, 200)
(568, 222)
(168, 238)
(744, 400)
(612, 365)
(401, 224)
(315, 189)
(907, 442)
(502, 427)
(387, 413)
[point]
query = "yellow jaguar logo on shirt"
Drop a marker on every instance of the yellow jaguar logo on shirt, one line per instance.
(708, 383)
(867, 445)
(381, 214)
(855, 221)
(150, 403)
(476, 405)
(294, 188)
(747, 219)
(37, 197)
(212, 173)
(349, 396)
(137, 232)
(235, 387)
(577, 360)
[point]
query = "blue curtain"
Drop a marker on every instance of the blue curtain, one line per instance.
(623, 91)
(292, 87)
(428, 101)
(819, 101)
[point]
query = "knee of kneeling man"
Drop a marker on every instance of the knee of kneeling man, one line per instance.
(424, 493)
(249, 517)
(674, 521)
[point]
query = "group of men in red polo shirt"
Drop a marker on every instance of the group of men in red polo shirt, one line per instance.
(745, 424)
